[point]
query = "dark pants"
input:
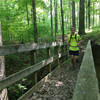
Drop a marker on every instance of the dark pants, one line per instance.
(75, 53)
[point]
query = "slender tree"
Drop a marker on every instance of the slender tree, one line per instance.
(51, 19)
(89, 14)
(99, 13)
(70, 15)
(93, 13)
(56, 18)
(73, 14)
(77, 14)
(27, 13)
(34, 21)
(62, 17)
(82, 17)
(96, 17)
(86, 14)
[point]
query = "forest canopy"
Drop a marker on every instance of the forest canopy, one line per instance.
(17, 18)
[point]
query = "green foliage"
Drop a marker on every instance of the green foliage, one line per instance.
(94, 35)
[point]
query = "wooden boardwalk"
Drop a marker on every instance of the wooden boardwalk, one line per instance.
(59, 85)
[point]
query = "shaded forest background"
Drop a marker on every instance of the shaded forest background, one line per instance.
(17, 17)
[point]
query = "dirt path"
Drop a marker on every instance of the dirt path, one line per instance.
(60, 84)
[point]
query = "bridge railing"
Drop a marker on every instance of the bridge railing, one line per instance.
(7, 50)
(87, 84)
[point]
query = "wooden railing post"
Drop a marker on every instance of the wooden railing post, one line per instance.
(48, 56)
(62, 51)
(66, 51)
(36, 73)
(56, 53)
(3, 93)
(33, 61)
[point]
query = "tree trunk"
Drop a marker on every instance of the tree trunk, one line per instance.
(97, 17)
(66, 21)
(56, 18)
(51, 19)
(99, 13)
(93, 14)
(35, 21)
(86, 14)
(3, 93)
(62, 17)
(60, 20)
(82, 17)
(27, 13)
(77, 15)
(70, 16)
(73, 14)
(89, 14)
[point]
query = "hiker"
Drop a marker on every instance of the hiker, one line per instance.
(73, 42)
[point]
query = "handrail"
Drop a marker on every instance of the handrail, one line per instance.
(87, 85)
(23, 73)
(38, 85)
(11, 49)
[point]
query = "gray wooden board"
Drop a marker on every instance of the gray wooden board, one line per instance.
(11, 49)
(87, 84)
(23, 73)
(38, 85)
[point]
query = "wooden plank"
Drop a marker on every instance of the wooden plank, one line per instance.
(87, 84)
(6, 50)
(23, 73)
(38, 85)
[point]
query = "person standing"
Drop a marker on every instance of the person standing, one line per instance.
(73, 41)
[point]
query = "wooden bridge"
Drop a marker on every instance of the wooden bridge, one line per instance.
(87, 85)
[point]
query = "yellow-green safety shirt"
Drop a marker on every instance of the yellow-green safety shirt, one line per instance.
(73, 45)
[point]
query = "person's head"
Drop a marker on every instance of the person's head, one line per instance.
(73, 30)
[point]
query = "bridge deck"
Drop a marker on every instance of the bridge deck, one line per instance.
(59, 86)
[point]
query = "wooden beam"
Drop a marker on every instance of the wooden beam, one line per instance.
(87, 85)
(38, 85)
(11, 49)
(23, 73)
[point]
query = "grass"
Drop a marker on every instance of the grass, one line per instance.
(94, 35)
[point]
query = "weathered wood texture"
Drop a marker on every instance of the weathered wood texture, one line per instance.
(6, 50)
(3, 93)
(23, 73)
(87, 84)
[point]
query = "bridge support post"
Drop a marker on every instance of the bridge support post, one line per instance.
(3, 93)
(36, 73)
(56, 53)
(62, 52)
(66, 51)
(33, 61)
(48, 56)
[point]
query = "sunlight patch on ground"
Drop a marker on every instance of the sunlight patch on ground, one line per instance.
(59, 83)
(88, 30)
